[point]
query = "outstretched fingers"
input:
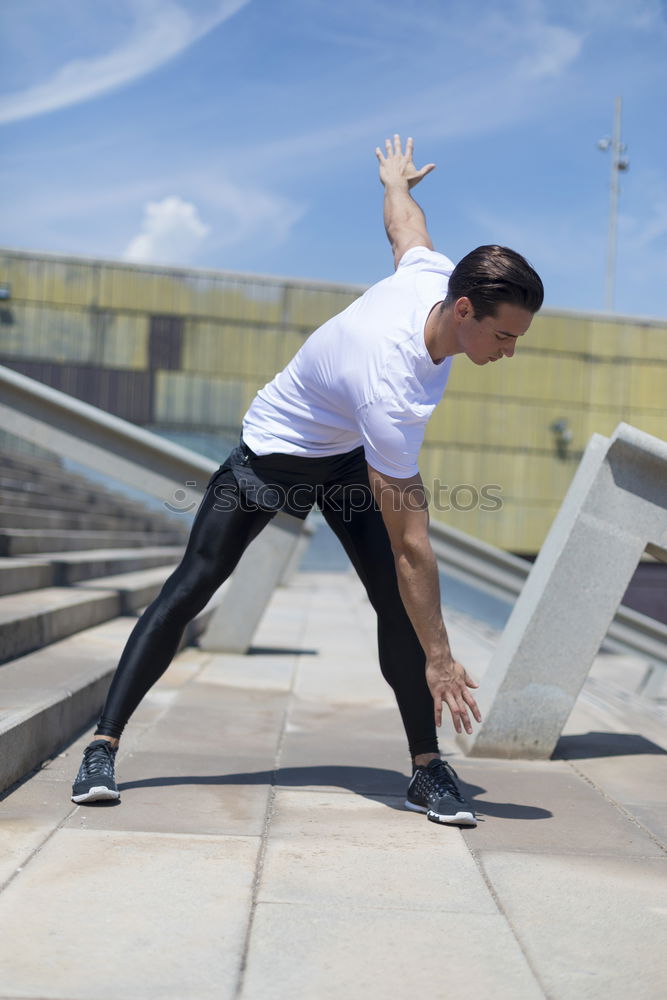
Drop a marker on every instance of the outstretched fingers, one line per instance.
(395, 148)
(424, 171)
(460, 704)
(460, 716)
(472, 704)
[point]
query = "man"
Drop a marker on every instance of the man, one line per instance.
(342, 426)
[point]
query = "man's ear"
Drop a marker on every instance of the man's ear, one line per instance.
(463, 308)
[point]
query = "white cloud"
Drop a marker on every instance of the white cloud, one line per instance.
(244, 214)
(648, 225)
(162, 29)
(171, 232)
(640, 14)
(552, 50)
(523, 61)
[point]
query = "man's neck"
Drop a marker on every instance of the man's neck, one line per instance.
(440, 334)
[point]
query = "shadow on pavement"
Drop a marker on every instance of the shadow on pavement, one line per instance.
(280, 651)
(371, 782)
(590, 745)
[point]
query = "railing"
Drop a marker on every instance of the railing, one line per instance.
(115, 447)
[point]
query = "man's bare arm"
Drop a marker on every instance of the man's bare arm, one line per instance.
(405, 515)
(404, 220)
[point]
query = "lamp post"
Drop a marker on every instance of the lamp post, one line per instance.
(618, 162)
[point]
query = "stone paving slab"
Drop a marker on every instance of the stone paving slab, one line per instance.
(332, 850)
(209, 719)
(547, 808)
(350, 736)
(342, 952)
(106, 915)
(258, 672)
(216, 795)
(27, 819)
(592, 928)
(261, 835)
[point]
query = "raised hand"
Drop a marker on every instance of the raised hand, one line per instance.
(396, 166)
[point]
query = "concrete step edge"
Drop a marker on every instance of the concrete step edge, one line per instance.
(65, 569)
(35, 731)
(39, 618)
(27, 541)
(21, 516)
(44, 616)
(17, 576)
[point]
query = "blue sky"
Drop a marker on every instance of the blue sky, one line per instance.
(240, 134)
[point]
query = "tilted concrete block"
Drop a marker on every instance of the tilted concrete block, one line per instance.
(260, 571)
(616, 506)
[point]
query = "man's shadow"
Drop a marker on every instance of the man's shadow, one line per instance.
(371, 782)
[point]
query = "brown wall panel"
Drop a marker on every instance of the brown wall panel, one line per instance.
(165, 342)
(127, 394)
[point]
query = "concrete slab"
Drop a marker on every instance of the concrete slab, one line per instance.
(347, 871)
(98, 915)
(351, 953)
(340, 815)
(29, 816)
(343, 678)
(592, 927)
(346, 865)
(350, 736)
(629, 775)
(261, 672)
(208, 718)
(546, 807)
(183, 793)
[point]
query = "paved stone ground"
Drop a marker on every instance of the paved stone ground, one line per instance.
(261, 849)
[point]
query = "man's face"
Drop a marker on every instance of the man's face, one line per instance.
(492, 337)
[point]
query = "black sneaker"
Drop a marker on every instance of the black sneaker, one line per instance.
(96, 780)
(434, 790)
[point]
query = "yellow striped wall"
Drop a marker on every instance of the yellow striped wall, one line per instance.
(492, 431)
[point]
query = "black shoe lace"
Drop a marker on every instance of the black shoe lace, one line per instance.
(98, 760)
(444, 778)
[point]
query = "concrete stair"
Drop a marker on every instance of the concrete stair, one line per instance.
(40, 517)
(78, 564)
(32, 541)
(63, 569)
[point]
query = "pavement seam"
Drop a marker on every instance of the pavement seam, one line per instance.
(36, 850)
(502, 912)
(268, 818)
(75, 808)
(620, 807)
(257, 879)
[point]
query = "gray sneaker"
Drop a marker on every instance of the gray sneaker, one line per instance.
(434, 790)
(96, 780)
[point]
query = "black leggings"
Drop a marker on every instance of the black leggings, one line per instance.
(217, 542)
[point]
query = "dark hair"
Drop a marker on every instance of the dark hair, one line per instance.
(490, 275)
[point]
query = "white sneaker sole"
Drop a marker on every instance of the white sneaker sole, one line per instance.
(458, 819)
(96, 794)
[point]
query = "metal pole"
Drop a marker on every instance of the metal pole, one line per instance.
(616, 150)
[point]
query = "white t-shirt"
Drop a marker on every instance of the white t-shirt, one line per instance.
(364, 377)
